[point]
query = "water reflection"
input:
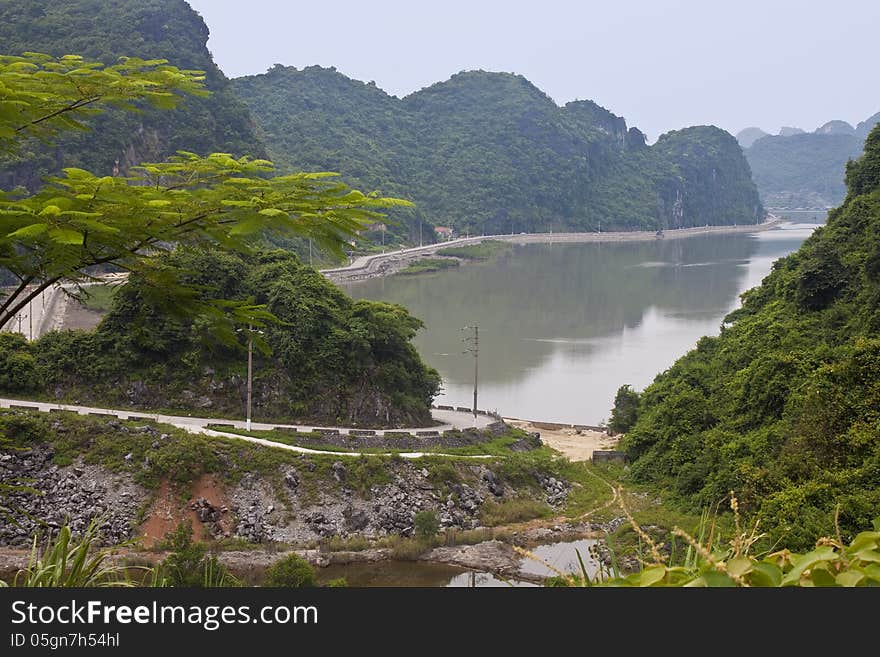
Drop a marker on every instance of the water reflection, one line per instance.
(562, 326)
(550, 560)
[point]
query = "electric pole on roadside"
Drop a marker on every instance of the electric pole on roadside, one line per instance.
(250, 374)
(474, 348)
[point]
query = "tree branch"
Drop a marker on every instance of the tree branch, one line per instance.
(69, 108)
(7, 315)
(11, 298)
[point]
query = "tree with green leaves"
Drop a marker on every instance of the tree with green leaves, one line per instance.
(79, 221)
(625, 411)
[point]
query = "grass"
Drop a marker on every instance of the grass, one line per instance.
(498, 446)
(99, 297)
(482, 251)
(428, 265)
(179, 458)
(520, 509)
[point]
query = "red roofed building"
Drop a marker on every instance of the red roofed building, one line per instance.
(444, 233)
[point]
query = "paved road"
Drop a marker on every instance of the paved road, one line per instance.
(450, 419)
(371, 265)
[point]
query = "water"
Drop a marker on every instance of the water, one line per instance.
(561, 556)
(562, 326)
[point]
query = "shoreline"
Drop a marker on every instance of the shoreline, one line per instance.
(384, 264)
(494, 554)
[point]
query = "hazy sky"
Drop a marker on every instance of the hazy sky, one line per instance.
(662, 64)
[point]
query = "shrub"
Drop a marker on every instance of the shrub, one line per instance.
(291, 572)
(189, 565)
(426, 524)
(626, 410)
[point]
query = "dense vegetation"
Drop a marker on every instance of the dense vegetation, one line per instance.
(784, 406)
(806, 170)
(332, 359)
(489, 152)
(105, 31)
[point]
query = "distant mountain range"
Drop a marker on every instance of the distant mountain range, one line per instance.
(479, 152)
(491, 152)
(797, 169)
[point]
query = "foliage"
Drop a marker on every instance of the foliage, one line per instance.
(489, 152)
(783, 405)
(80, 221)
(625, 411)
(189, 564)
(329, 354)
(290, 572)
(710, 562)
(105, 32)
(426, 524)
(43, 95)
(66, 561)
(194, 205)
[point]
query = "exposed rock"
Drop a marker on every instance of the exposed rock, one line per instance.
(556, 491)
(291, 479)
(73, 494)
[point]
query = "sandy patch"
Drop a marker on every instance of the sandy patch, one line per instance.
(576, 444)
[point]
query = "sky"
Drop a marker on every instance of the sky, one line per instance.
(661, 64)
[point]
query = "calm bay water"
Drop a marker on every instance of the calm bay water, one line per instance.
(562, 326)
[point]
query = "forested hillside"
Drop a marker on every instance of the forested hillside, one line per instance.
(783, 408)
(806, 170)
(332, 360)
(490, 152)
(105, 31)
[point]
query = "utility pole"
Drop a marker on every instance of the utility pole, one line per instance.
(31, 320)
(250, 375)
(474, 349)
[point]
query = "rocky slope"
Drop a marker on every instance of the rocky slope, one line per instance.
(143, 481)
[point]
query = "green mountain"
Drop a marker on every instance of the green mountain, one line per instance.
(806, 170)
(490, 152)
(783, 408)
(104, 31)
(333, 360)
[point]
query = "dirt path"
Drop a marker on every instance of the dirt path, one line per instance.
(576, 444)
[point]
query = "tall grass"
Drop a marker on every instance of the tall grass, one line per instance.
(67, 561)
(735, 561)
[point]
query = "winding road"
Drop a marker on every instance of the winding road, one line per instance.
(450, 419)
